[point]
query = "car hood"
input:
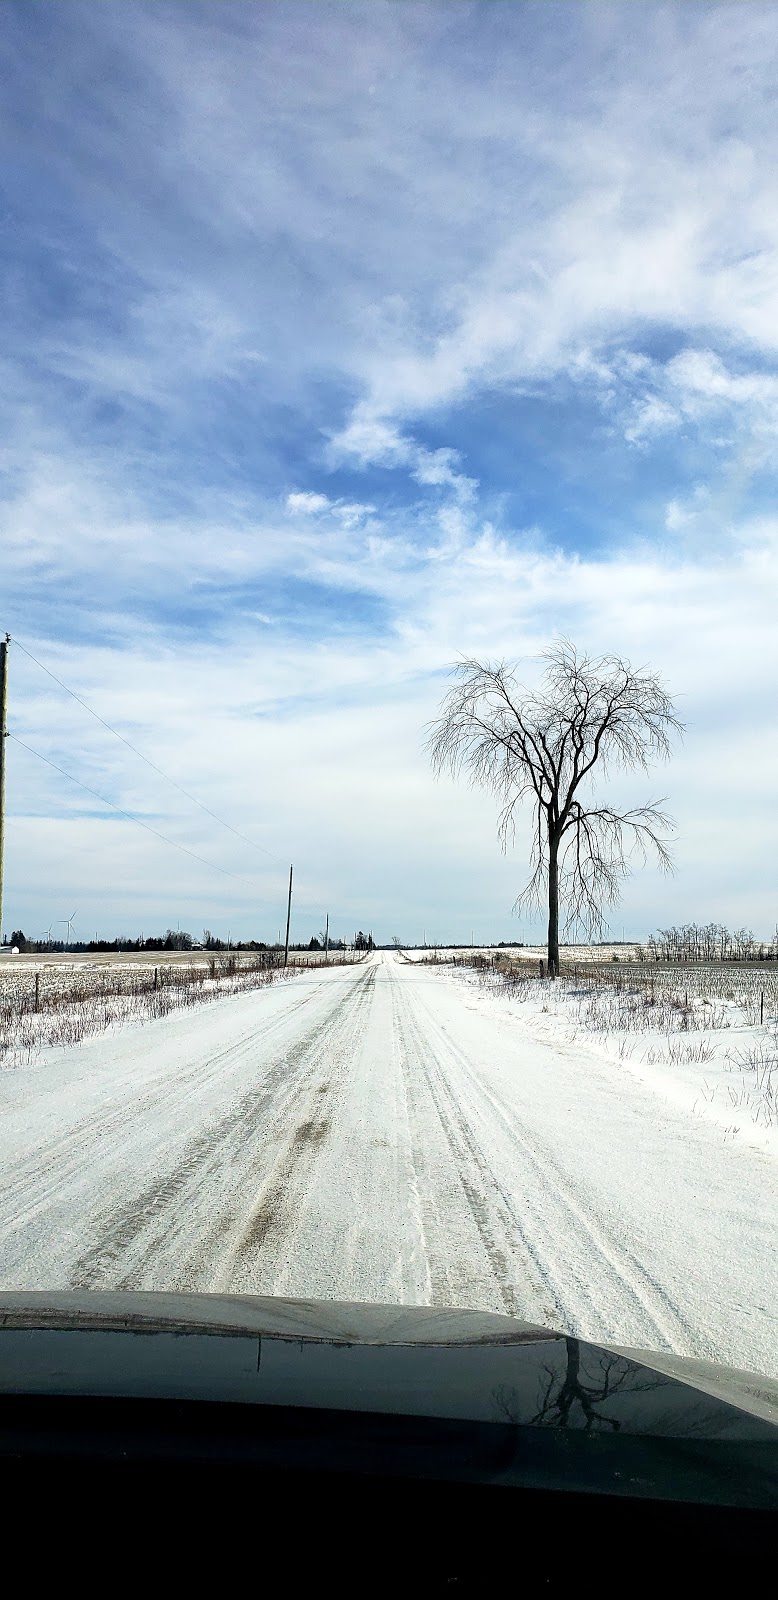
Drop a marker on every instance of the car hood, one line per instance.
(430, 1361)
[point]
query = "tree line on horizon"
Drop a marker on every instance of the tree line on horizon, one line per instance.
(174, 939)
(710, 941)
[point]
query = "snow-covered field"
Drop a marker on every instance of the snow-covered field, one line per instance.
(62, 999)
(395, 1132)
(706, 1037)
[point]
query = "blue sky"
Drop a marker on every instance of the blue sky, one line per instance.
(340, 340)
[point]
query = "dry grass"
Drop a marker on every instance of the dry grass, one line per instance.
(634, 998)
(62, 1003)
(758, 1067)
(663, 1016)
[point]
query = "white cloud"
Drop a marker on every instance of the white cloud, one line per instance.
(748, 401)
(307, 502)
(497, 268)
(348, 513)
(651, 416)
(424, 236)
(301, 720)
(369, 441)
(352, 512)
(736, 412)
(267, 257)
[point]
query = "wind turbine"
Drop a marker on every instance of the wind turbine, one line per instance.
(69, 921)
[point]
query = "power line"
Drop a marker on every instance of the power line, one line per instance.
(147, 760)
(128, 814)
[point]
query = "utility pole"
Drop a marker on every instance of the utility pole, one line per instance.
(3, 736)
(288, 917)
(327, 940)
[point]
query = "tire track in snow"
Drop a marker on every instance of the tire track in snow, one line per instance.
(165, 1235)
(498, 1239)
(265, 1242)
(665, 1318)
(64, 1156)
(547, 1235)
(414, 1262)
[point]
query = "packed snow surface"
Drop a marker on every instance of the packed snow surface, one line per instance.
(391, 1133)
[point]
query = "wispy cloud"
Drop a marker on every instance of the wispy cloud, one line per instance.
(339, 340)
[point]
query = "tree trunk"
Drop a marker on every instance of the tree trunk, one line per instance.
(553, 907)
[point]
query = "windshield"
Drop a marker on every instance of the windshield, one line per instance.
(387, 821)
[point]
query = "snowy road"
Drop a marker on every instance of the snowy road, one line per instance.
(380, 1133)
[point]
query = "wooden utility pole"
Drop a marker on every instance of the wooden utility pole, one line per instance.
(288, 918)
(327, 940)
(3, 736)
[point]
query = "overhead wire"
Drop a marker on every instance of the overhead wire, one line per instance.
(129, 814)
(149, 763)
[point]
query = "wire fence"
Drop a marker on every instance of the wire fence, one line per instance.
(720, 1017)
(64, 1004)
(632, 995)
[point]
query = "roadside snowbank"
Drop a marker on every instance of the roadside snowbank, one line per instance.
(726, 1072)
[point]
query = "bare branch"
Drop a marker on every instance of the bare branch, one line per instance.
(589, 715)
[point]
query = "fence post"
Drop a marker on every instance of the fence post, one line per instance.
(156, 977)
(37, 991)
(761, 1008)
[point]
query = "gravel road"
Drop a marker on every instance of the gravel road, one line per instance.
(378, 1133)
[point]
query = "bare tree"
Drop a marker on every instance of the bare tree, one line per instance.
(572, 1398)
(589, 715)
